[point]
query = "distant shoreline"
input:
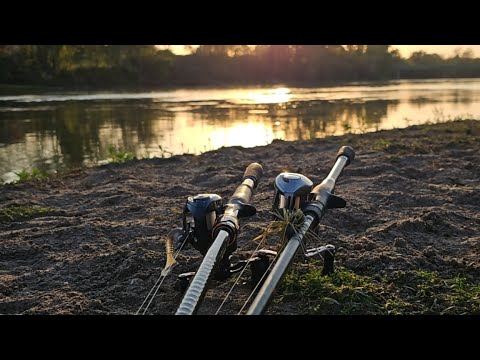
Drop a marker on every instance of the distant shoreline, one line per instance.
(7, 89)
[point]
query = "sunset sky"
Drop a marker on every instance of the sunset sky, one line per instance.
(405, 50)
(444, 50)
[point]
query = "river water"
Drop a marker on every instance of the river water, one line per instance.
(57, 130)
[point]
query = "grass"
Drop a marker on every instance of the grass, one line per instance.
(345, 292)
(381, 144)
(20, 212)
(35, 174)
(164, 152)
(424, 139)
(402, 292)
(284, 219)
(117, 155)
(346, 127)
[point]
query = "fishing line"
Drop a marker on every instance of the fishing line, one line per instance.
(161, 282)
(261, 279)
(266, 272)
(238, 279)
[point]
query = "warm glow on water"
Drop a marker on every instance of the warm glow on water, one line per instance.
(53, 131)
(198, 136)
(274, 96)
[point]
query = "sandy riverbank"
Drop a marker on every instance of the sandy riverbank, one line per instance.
(413, 203)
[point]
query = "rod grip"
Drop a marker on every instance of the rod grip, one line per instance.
(244, 192)
(254, 171)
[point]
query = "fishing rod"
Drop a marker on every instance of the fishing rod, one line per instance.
(212, 228)
(220, 223)
(291, 193)
(204, 218)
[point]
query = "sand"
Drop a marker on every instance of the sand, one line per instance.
(413, 202)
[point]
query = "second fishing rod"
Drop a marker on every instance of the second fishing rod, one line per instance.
(292, 192)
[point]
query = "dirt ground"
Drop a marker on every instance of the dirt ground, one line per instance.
(413, 203)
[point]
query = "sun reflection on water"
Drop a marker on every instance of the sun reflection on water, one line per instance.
(270, 96)
(59, 130)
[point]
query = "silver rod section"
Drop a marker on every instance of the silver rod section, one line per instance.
(329, 182)
(192, 299)
(264, 295)
(337, 168)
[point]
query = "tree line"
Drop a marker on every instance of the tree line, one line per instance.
(78, 66)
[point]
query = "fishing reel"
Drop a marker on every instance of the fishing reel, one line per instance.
(293, 192)
(199, 216)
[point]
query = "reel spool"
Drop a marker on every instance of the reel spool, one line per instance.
(291, 191)
(199, 216)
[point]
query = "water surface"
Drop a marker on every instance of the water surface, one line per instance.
(54, 131)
